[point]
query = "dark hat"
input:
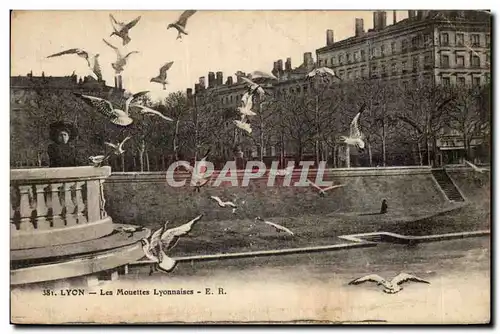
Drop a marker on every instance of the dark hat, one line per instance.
(57, 127)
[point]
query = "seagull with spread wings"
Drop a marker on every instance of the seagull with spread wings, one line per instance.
(246, 105)
(261, 74)
(152, 248)
(92, 60)
(322, 71)
(118, 148)
(98, 160)
(253, 87)
(322, 191)
(476, 168)
(121, 29)
(105, 108)
(169, 239)
(121, 60)
(243, 125)
(162, 77)
(180, 24)
(132, 98)
(390, 287)
(198, 179)
(279, 228)
(355, 136)
(223, 204)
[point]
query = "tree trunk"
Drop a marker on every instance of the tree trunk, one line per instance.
(420, 157)
(334, 154)
(142, 149)
(163, 161)
(370, 155)
(348, 156)
(317, 131)
(147, 161)
(176, 134)
(123, 162)
(39, 159)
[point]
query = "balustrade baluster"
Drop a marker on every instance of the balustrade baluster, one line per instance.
(104, 214)
(14, 205)
(56, 198)
(80, 206)
(25, 207)
(41, 207)
(69, 206)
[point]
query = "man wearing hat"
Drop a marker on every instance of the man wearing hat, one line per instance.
(61, 152)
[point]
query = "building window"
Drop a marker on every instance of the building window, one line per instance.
(341, 74)
(474, 40)
(487, 75)
(374, 70)
(331, 60)
(348, 58)
(341, 59)
(382, 50)
(383, 71)
(373, 52)
(459, 39)
(363, 72)
(475, 62)
(415, 63)
(488, 59)
(363, 55)
(427, 62)
(393, 47)
(445, 61)
(461, 81)
(460, 61)
(446, 82)
(414, 42)
(427, 40)
(394, 70)
(477, 81)
(404, 66)
(445, 39)
(404, 45)
(487, 40)
(357, 74)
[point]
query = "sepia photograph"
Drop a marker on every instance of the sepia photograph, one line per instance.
(250, 167)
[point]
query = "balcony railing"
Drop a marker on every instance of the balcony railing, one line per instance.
(51, 206)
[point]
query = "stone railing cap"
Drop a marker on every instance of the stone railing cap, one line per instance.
(61, 173)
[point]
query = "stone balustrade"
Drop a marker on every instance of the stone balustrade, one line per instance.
(52, 206)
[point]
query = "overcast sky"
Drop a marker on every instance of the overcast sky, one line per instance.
(224, 41)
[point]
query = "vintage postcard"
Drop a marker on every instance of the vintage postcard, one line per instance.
(244, 167)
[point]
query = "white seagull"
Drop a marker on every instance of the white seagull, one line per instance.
(322, 71)
(390, 287)
(152, 249)
(278, 227)
(223, 204)
(476, 168)
(121, 29)
(162, 77)
(260, 74)
(198, 179)
(253, 87)
(148, 111)
(92, 60)
(180, 24)
(132, 97)
(247, 104)
(169, 239)
(97, 160)
(355, 136)
(129, 229)
(322, 191)
(105, 108)
(243, 125)
(118, 148)
(121, 60)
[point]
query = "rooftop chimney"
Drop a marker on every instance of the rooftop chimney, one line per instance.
(359, 30)
(394, 19)
(229, 80)
(288, 64)
(219, 78)
(240, 74)
(280, 66)
(411, 14)
(202, 83)
(275, 69)
(211, 79)
(379, 20)
(422, 14)
(308, 58)
(329, 37)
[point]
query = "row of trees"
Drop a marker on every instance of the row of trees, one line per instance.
(397, 121)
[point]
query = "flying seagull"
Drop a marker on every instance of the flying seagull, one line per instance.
(322, 71)
(355, 136)
(118, 148)
(278, 227)
(476, 168)
(162, 77)
(105, 108)
(198, 179)
(253, 87)
(243, 125)
(152, 248)
(223, 204)
(132, 97)
(169, 239)
(391, 287)
(261, 74)
(322, 191)
(148, 111)
(180, 24)
(121, 29)
(97, 160)
(247, 104)
(92, 60)
(121, 60)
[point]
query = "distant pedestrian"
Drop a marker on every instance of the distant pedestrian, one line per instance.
(383, 209)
